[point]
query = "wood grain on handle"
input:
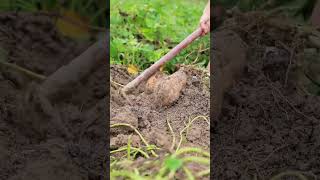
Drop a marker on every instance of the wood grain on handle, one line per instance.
(156, 66)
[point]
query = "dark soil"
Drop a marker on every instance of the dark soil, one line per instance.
(30, 146)
(267, 125)
(145, 111)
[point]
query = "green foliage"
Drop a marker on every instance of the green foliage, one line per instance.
(162, 168)
(142, 31)
(173, 163)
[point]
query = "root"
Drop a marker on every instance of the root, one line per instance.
(289, 173)
(187, 127)
(164, 172)
(24, 71)
(115, 83)
(203, 173)
(133, 148)
(192, 150)
(173, 136)
(139, 134)
(196, 159)
(126, 174)
(188, 173)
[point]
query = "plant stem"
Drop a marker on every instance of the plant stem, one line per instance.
(289, 173)
(23, 70)
(140, 135)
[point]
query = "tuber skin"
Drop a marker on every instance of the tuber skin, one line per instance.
(64, 79)
(39, 100)
(168, 89)
(152, 82)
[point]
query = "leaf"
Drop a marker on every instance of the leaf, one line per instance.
(113, 50)
(173, 163)
(149, 34)
(132, 69)
(77, 29)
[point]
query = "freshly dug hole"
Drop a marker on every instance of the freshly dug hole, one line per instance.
(267, 124)
(177, 98)
(229, 59)
(31, 146)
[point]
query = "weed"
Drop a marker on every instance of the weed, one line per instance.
(167, 167)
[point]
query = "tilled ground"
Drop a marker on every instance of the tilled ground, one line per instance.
(31, 146)
(175, 99)
(268, 123)
(144, 112)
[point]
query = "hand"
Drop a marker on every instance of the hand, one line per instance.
(205, 20)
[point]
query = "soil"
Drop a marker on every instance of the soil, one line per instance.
(31, 147)
(268, 123)
(177, 98)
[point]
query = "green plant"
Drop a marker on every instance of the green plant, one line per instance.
(142, 31)
(161, 168)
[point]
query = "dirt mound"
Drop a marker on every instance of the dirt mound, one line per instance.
(149, 112)
(30, 146)
(267, 125)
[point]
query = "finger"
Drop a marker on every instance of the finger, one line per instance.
(203, 28)
(207, 27)
(204, 19)
(203, 25)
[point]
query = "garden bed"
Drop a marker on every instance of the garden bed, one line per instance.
(184, 123)
(32, 145)
(269, 121)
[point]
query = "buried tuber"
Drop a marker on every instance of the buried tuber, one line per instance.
(166, 89)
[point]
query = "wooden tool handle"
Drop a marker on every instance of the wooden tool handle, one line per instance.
(156, 66)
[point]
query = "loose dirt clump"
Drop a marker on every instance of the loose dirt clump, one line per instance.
(31, 147)
(176, 98)
(268, 123)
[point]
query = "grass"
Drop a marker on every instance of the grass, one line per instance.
(142, 31)
(159, 167)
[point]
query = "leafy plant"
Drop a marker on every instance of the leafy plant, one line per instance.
(142, 31)
(162, 168)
